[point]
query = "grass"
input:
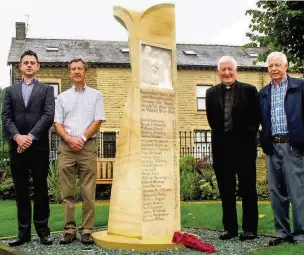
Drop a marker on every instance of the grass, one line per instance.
(209, 215)
(8, 217)
(206, 215)
(284, 249)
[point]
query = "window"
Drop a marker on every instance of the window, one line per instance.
(190, 52)
(253, 54)
(56, 88)
(55, 83)
(124, 50)
(202, 144)
(53, 145)
(107, 144)
(201, 96)
(51, 48)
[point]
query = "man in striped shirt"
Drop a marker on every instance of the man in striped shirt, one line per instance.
(282, 139)
(78, 116)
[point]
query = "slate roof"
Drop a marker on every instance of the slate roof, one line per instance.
(108, 53)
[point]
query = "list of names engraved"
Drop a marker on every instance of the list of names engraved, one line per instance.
(158, 147)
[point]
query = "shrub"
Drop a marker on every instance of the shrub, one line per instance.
(187, 164)
(7, 190)
(54, 186)
(208, 184)
(53, 182)
(262, 190)
(5, 171)
(189, 186)
(103, 192)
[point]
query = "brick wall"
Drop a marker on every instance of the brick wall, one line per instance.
(114, 83)
(187, 80)
(62, 74)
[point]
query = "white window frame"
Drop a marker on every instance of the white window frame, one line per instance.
(201, 95)
(52, 82)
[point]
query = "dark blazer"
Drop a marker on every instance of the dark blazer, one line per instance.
(245, 113)
(36, 118)
(294, 109)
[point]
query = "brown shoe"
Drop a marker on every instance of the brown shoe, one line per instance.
(87, 238)
(68, 238)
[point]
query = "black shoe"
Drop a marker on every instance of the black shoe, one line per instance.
(68, 238)
(46, 240)
(227, 235)
(277, 241)
(247, 236)
(18, 241)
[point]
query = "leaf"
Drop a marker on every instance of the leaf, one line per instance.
(261, 216)
(279, 26)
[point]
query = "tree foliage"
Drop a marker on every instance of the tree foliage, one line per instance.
(279, 26)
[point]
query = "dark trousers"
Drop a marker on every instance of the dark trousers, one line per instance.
(35, 162)
(236, 158)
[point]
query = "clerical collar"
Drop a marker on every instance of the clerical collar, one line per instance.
(228, 87)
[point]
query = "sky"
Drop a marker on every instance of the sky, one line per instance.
(197, 21)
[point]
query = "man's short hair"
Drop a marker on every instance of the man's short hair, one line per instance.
(277, 54)
(29, 53)
(227, 59)
(79, 60)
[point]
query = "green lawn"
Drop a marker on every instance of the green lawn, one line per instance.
(209, 215)
(206, 215)
(284, 249)
(8, 217)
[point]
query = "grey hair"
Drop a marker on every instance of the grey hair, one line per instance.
(227, 59)
(279, 55)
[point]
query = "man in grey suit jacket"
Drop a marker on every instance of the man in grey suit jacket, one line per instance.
(27, 114)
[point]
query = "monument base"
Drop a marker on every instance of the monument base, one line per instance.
(103, 239)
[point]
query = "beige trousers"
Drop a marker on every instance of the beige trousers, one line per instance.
(82, 164)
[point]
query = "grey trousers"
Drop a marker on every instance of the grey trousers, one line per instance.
(285, 173)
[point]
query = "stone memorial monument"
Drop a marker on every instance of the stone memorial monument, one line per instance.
(145, 198)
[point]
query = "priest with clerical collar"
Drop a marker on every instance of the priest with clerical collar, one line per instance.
(233, 115)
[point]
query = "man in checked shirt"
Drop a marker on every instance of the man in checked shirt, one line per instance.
(282, 139)
(78, 115)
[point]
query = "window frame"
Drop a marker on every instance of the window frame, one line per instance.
(109, 145)
(51, 81)
(202, 140)
(197, 97)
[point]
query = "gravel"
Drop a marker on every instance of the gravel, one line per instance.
(231, 247)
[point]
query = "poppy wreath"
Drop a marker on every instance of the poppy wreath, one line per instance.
(192, 241)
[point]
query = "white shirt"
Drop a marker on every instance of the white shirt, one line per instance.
(76, 110)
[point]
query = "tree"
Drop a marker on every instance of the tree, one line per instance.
(279, 26)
